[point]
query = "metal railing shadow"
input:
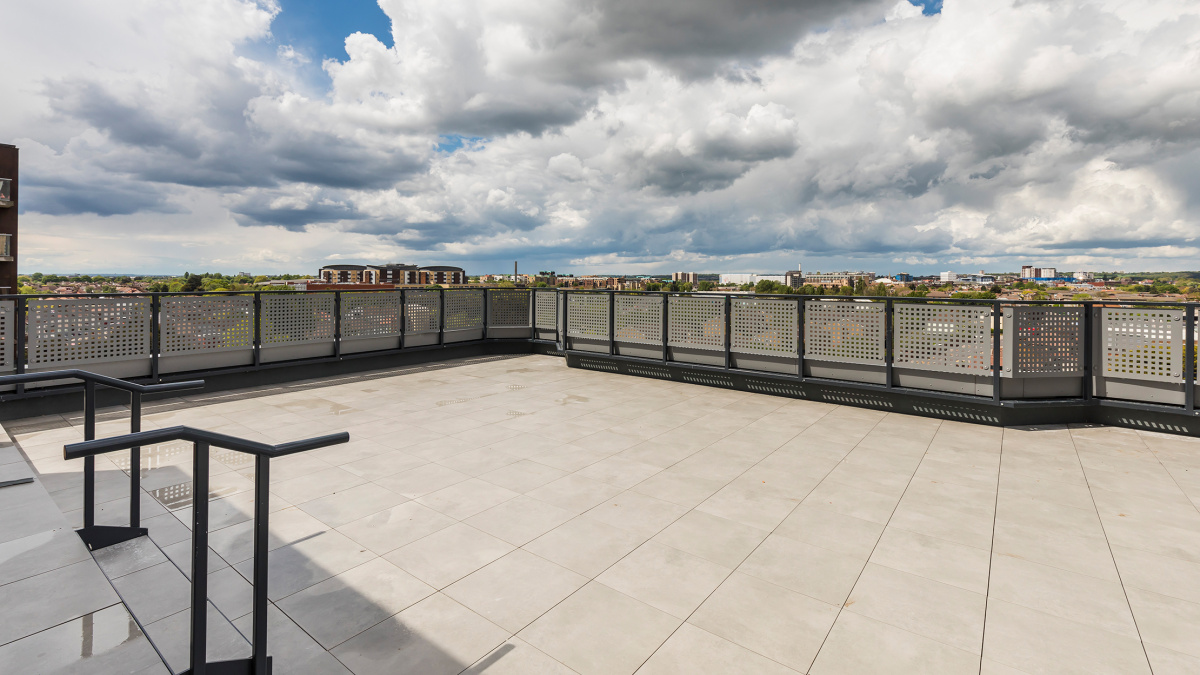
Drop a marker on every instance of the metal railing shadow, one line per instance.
(100, 536)
(259, 662)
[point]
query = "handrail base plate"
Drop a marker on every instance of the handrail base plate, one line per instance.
(97, 537)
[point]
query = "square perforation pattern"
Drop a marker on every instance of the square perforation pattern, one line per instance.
(371, 315)
(1143, 344)
(763, 326)
(696, 323)
(421, 311)
(464, 310)
(844, 332)
(546, 308)
(587, 315)
(946, 338)
(6, 335)
(638, 319)
(207, 324)
(508, 308)
(1045, 341)
(91, 330)
(297, 319)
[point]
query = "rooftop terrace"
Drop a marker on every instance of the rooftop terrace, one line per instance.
(512, 515)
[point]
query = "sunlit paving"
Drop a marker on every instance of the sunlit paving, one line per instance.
(512, 515)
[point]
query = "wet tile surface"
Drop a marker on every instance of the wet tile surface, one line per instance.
(512, 515)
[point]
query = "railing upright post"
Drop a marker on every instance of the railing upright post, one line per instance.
(403, 317)
(257, 329)
(154, 336)
(612, 323)
(800, 336)
(442, 316)
(666, 327)
(199, 627)
(89, 463)
(337, 324)
(1189, 356)
(566, 304)
(262, 500)
(22, 309)
(1088, 330)
(888, 331)
(486, 318)
(728, 329)
(997, 320)
(135, 461)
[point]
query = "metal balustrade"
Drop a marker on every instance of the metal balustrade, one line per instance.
(99, 536)
(202, 441)
(1008, 353)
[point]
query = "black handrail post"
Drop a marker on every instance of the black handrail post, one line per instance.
(199, 628)
(441, 316)
(257, 329)
(485, 313)
(262, 500)
(1189, 355)
(666, 355)
(888, 330)
(89, 463)
(135, 461)
(566, 304)
(403, 317)
(337, 324)
(996, 322)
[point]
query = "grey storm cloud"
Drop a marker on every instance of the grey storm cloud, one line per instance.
(637, 129)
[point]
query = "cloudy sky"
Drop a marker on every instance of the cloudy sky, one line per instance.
(605, 135)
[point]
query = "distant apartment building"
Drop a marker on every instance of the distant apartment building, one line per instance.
(393, 274)
(949, 276)
(837, 278)
(686, 277)
(1031, 272)
(8, 219)
(903, 277)
(793, 279)
(1084, 276)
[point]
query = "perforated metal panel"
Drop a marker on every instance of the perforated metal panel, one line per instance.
(370, 315)
(638, 319)
(764, 326)
(1143, 344)
(206, 324)
(587, 315)
(696, 322)
(508, 308)
(946, 338)
(297, 319)
(844, 332)
(1043, 341)
(546, 314)
(464, 309)
(421, 312)
(87, 330)
(7, 328)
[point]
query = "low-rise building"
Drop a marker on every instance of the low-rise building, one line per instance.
(686, 277)
(837, 278)
(394, 274)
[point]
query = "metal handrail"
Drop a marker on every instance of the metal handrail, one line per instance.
(100, 536)
(259, 662)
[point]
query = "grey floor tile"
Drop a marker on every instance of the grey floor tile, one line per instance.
(517, 657)
(523, 476)
(292, 650)
(575, 493)
(947, 614)
(422, 480)
(678, 488)
(693, 651)
(829, 529)
(1166, 621)
(892, 651)
(665, 578)
(39, 602)
(1065, 594)
(448, 555)
(713, 538)
(39, 553)
(814, 571)
(172, 637)
(296, 567)
(599, 631)
(585, 545)
(348, 505)
(773, 621)
(343, 606)
(516, 589)
(437, 636)
(945, 561)
(155, 592)
(105, 641)
(1036, 642)
(392, 528)
(637, 513)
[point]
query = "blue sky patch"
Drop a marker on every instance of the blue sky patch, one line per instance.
(450, 142)
(318, 28)
(928, 7)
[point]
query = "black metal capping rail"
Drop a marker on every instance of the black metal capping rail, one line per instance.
(259, 662)
(993, 361)
(93, 535)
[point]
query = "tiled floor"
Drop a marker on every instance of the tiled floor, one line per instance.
(519, 517)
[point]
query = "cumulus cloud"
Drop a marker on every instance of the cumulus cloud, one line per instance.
(624, 134)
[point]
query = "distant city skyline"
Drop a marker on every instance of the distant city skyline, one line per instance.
(597, 135)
